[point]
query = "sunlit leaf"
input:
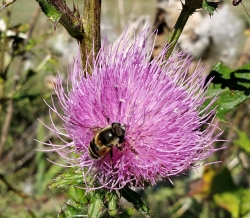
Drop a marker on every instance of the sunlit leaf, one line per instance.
(65, 180)
(245, 203)
(70, 210)
(77, 194)
(112, 199)
(233, 87)
(229, 201)
(236, 202)
(96, 206)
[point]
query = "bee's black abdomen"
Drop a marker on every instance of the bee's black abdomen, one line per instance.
(93, 149)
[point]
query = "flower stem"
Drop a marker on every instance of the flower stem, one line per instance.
(91, 42)
(187, 9)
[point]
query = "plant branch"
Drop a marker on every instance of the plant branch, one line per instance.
(85, 30)
(188, 9)
(91, 43)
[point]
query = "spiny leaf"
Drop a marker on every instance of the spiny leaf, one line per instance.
(51, 12)
(135, 198)
(78, 194)
(112, 199)
(58, 11)
(67, 179)
(210, 7)
(96, 206)
(232, 85)
(75, 210)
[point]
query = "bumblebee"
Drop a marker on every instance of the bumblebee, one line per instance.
(105, 139)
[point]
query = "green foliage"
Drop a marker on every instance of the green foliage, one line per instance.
(210, 7)
(91, 204)
(236, 202)
(217, 193)
(243, 141)
(215, 187)
(71, 211)
(218, 184)
(113, 203)
(64, 180)
(22, 94)
(51, 12)
(136, 199)
(231, 86)
(98, 202)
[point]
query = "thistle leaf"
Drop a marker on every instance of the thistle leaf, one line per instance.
(70, 210)
(58, 11)
(96, 206)
(210, 7)
(112, 199)
(135, 198)
(232, 85)
(67, 179)
(51, 12)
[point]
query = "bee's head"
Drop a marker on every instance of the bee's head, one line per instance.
(119, 130)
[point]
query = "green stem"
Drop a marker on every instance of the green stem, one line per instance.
(91, 42)
(85, 30)
(187, 9)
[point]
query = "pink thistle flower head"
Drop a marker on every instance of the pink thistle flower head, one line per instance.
(135, 120)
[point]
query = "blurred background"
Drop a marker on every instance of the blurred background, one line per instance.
(32, 53)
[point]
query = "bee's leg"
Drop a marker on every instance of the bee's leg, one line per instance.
(111, 154)
(111, 161)
(120, 146)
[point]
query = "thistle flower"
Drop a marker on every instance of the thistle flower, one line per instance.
(154, 100)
